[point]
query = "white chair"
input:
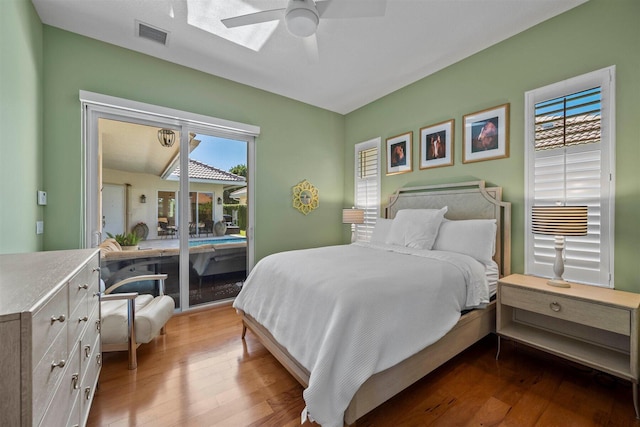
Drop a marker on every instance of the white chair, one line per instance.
(130, 319)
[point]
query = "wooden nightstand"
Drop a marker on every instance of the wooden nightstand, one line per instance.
(594, 326)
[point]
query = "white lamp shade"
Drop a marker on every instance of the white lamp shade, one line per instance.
(559, 220)
(353, 216)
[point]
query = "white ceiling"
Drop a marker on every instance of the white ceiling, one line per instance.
(360, 59)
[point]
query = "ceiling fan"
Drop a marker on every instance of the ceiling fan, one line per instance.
(303, 16)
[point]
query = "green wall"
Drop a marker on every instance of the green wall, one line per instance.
(297, 141)
(595, 35)
(21, 125)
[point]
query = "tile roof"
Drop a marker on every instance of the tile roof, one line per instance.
(199, 170)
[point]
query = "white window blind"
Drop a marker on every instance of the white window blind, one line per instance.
(569, 137)
(367, 186)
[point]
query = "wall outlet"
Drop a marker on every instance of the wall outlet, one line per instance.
(42, 197)
(39, 227)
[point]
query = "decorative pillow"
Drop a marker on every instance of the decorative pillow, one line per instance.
(381, 230)
(415, 228)
(473, 237)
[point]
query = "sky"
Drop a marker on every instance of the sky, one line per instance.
(220, 153)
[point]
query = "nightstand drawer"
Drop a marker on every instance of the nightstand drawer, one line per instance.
(588, 313)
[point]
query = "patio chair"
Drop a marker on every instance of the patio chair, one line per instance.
(130, 319)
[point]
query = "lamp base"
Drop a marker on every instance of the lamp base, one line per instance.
(559, 283)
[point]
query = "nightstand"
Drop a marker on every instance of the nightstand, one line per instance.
(594, 326)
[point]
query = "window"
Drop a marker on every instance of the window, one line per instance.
(367, 186)
(569, 159)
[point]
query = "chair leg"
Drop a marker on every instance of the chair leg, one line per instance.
(131, 313)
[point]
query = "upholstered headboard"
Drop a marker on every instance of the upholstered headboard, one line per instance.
(465, 200)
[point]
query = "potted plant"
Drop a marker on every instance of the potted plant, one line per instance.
(128, 241)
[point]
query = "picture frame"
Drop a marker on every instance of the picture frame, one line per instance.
(437, 145)
(486, 134)
(399, 158)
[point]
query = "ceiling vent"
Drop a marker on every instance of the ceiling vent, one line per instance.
(146, 31)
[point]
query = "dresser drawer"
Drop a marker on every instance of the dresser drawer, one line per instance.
(79, 290)
(89, 343)
(47, 324)
(90, 379)
(78, 321)
(593, 314)
(65, 395)
(46, 376)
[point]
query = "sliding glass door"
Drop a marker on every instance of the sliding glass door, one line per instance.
(188, 223)
(217, 246)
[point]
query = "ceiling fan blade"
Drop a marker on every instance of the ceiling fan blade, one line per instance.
(253, 18)
(334, 9)
(311, 47)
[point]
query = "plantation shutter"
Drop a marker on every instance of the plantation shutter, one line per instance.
(567, 166)
(367, 186)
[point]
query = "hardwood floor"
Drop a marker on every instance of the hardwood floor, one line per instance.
(202, 374)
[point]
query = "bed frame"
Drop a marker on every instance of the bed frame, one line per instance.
(467, 200)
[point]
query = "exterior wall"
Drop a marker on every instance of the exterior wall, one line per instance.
(592, 36)
(21, 101)
(149, 185)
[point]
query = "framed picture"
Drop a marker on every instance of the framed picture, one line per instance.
(399, 153)
(486, 135)
(436, 145)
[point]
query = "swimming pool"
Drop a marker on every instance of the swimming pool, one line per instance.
(217, 241)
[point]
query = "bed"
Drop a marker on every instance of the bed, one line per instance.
(452, 333)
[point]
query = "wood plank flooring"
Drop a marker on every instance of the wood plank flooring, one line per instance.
(202, 374)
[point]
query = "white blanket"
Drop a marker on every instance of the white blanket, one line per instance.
(348, 312)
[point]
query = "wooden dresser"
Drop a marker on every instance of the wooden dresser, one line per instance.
(49, 337)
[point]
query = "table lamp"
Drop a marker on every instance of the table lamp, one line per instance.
(353, 216)
(559, 221)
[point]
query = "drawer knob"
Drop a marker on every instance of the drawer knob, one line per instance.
(555, 306)
(74, 381)
(83, 319)
(57, 319)
(95, 269)
(87, 350)
(60, 364)
(87, 393)
(83, 286)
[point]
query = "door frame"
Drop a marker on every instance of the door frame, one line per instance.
(96, 106)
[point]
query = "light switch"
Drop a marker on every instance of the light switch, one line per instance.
(42, 197)
(39, 227)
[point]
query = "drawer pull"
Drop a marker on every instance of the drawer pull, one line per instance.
(98, 325)
(74, 381)
(83, 286)
(60, 364)
(99, 359)
(96, 269)
(57, 319)
(83, 319)
(555, 306)
(87, 393)
(87, 350)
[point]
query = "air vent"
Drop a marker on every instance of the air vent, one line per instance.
(146, 31)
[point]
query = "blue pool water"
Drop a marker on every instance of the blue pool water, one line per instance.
(217, 241)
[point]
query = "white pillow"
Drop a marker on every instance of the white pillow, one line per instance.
(381, 230)
(473, 237)
(415, 228)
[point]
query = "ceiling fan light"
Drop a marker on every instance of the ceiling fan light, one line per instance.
(301, 22)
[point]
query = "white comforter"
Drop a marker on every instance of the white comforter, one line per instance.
(348, 312)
